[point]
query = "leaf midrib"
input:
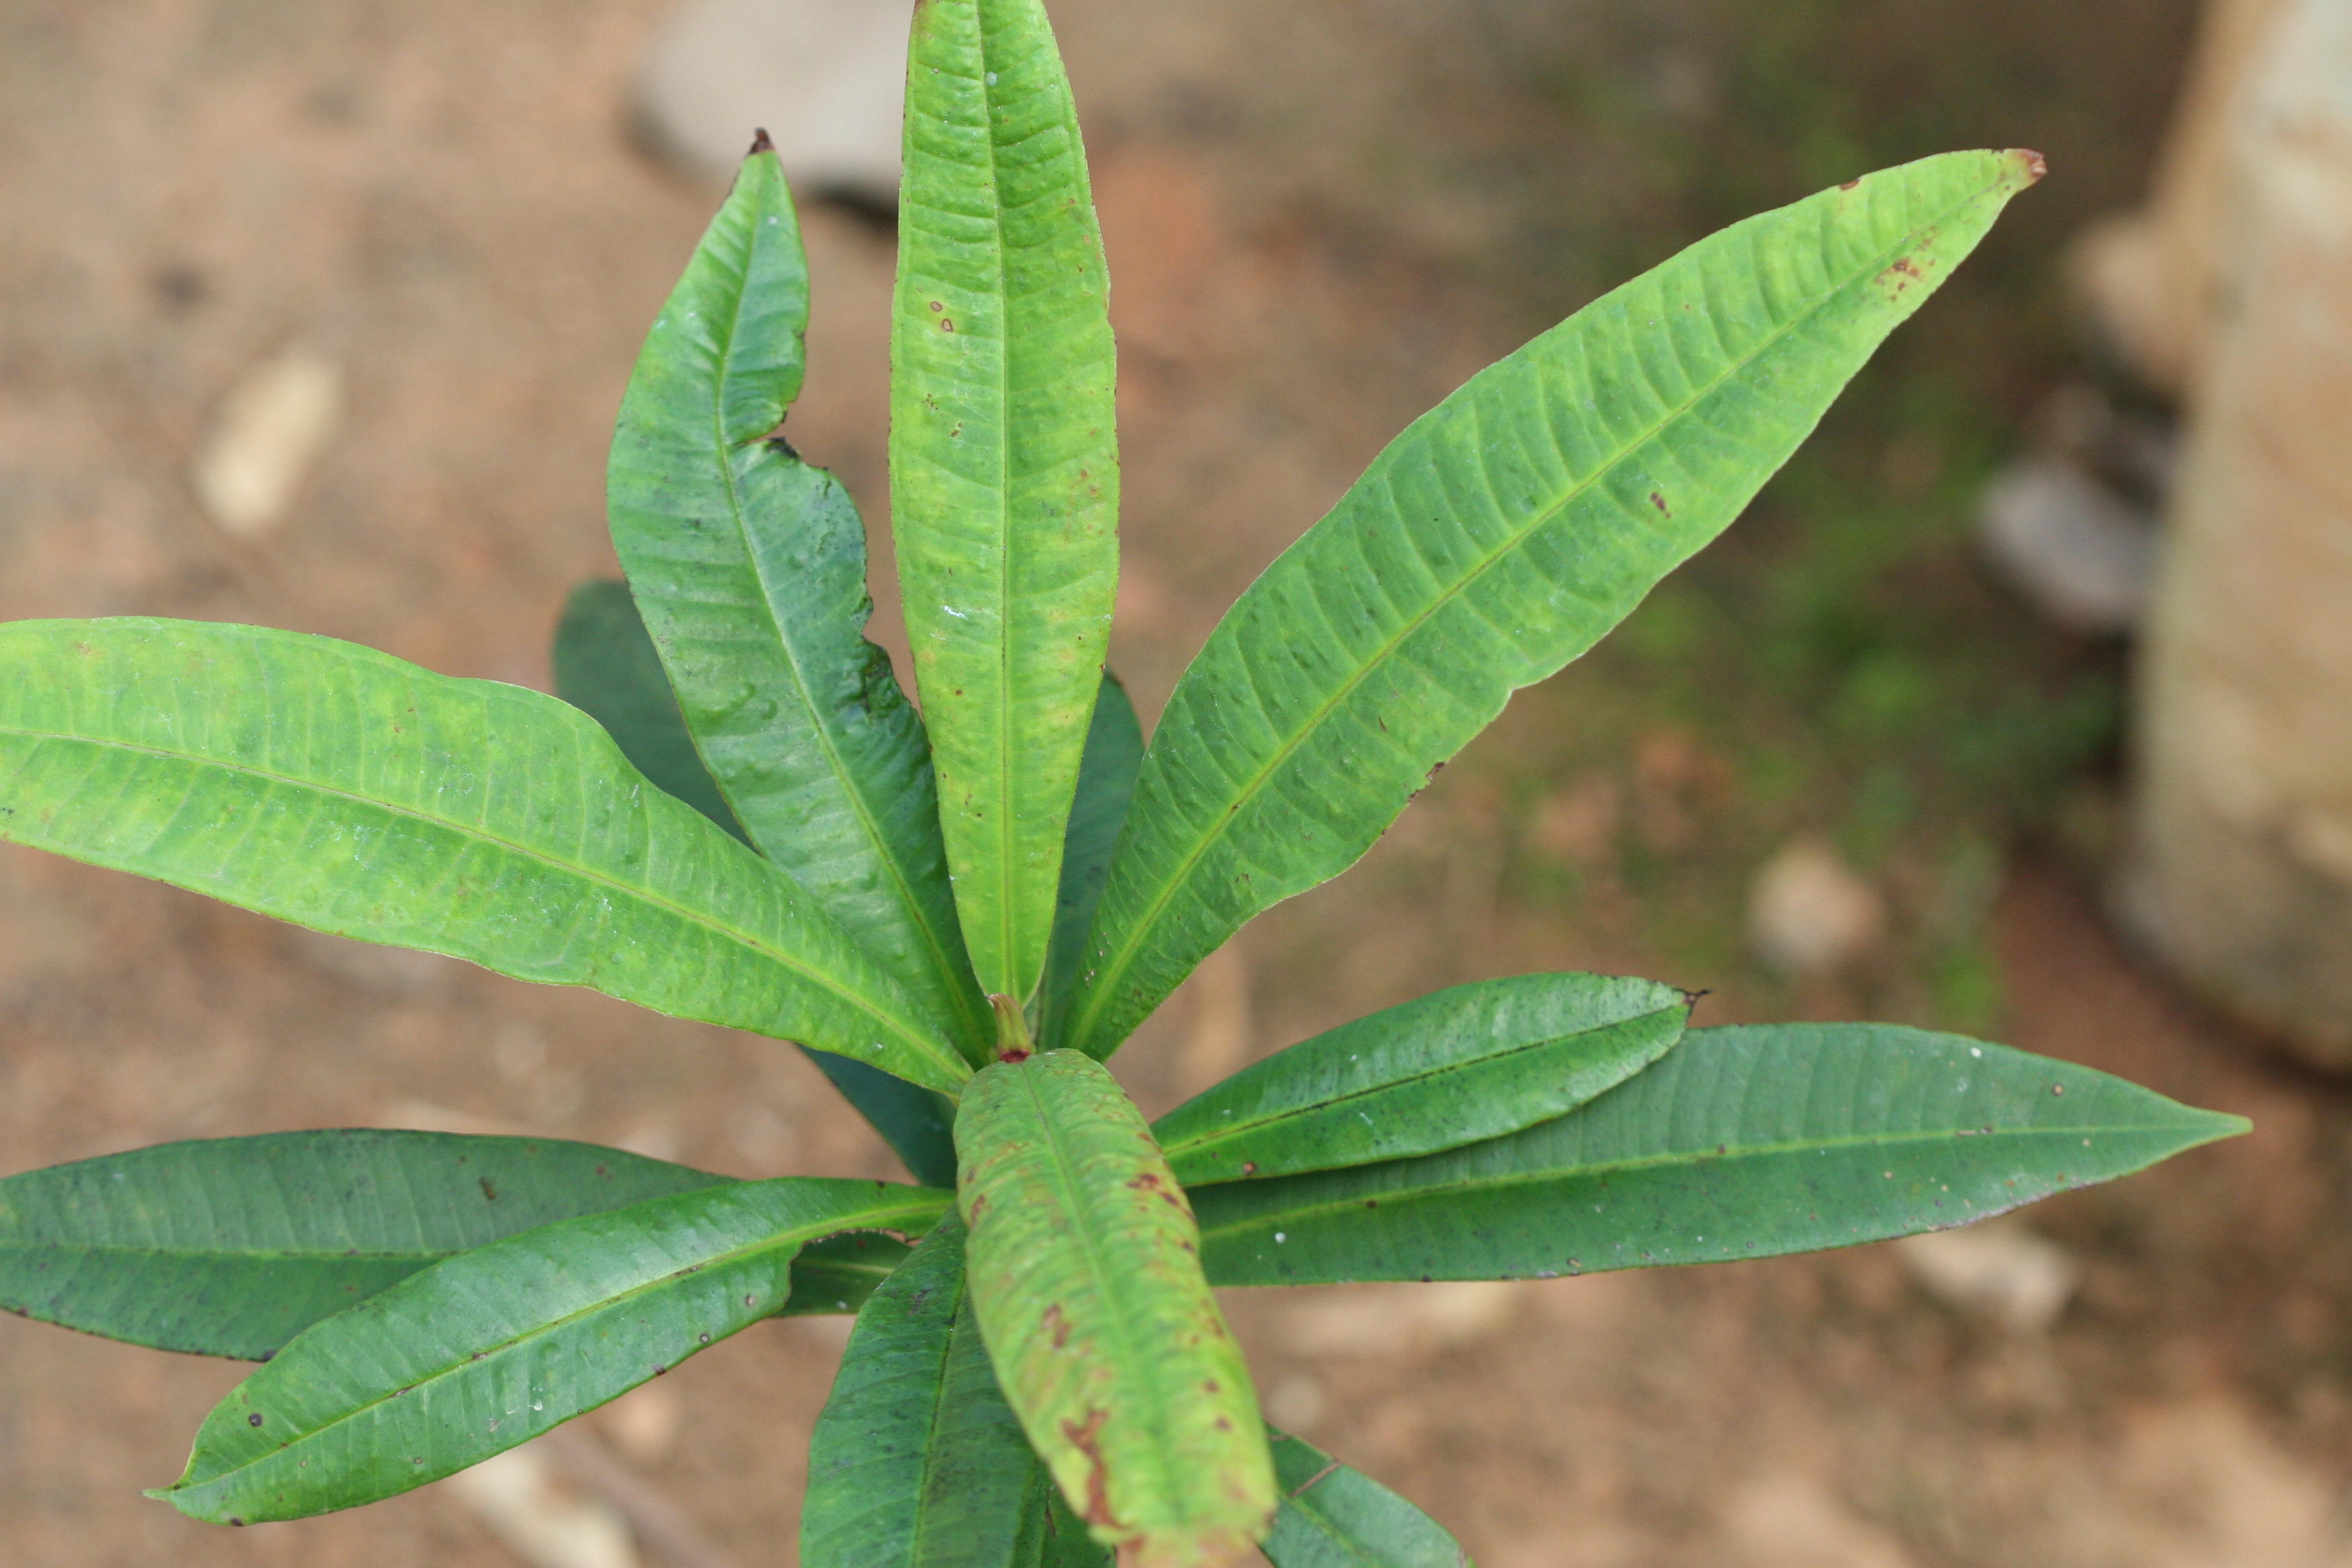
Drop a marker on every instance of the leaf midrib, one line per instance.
(919, 1531)
(1072, 1194)
(1211, 1140)
(1007, 806)
(1652, 1163)
(248, 1254)
(796, 1239)
(858, 1001)
(1114, 971)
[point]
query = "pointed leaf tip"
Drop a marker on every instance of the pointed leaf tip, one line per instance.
(759, 143)
(1745, 1142)
(2034, 164)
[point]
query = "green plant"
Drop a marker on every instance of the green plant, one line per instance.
(736, 817)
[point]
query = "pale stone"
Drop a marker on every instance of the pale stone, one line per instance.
(267, 435)
(2081, 553)
(826, 78)
(1808, 913)
(2000, 1270)
(548, 1526)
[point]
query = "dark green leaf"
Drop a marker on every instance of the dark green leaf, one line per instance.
(1743, 1142)
(605, 665)
(338, 787)
(1454, 1068)
(1106, 785)
(494, 1346)
(750, 567)
(1004, 458)
(1499, 537)
(1333, 1517)
(917, 1123)
(231, 1247)
(918, 1462)
(839, 1274)
(1084, 1277)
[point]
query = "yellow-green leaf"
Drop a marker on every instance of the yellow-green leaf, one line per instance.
(1004, 459)
(340, 788)
(1498, 537)
(1085, 1273)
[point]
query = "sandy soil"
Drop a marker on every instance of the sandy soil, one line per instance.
(1319, 222)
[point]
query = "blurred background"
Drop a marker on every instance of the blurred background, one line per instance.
(2017, 705)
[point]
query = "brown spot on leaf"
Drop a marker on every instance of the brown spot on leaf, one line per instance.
(1660, 503)
(1849, 184)
(1087, 1440)
(1056, 1327)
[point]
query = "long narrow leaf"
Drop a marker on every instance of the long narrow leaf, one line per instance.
(230, 1246)
(1105, 786)
(1086, 1279)
(750, 568)
(338, 787)
(916, 1461)
(1004, 458)
(1453, 1067)
(494, 1346)
(606, 666)
(1743, 1142)
(1333, 1517)
(1499, 537)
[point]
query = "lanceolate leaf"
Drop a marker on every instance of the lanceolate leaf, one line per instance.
(918, 1462)
(750, 568)
(1497, 539)
(1333, 1517)
(494, 1346)
(605, 665)
(1085, 1278)
(1004, 458)
(1105, 786)
(1454, 1068)
(336, 786)
(1743, 1142)
(231, 1247)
